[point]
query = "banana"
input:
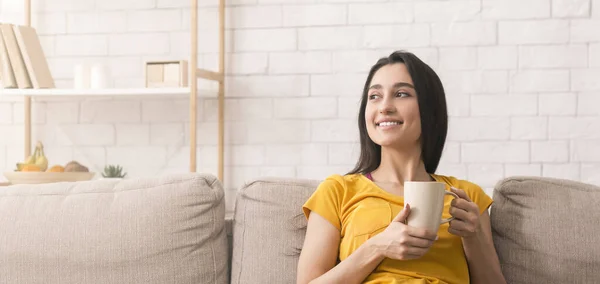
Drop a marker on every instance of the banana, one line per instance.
(29, 161)
(20, 166)
(41, 160)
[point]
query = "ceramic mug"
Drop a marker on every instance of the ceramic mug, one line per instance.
(426, 200)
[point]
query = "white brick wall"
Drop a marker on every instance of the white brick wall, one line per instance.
(463, 33)
(574, 56)
(436, 11)
(380, 13)
(533, 32)
(51, 23)
(583, 30)
(514, 9)
(6, 113)
(63, 5)
(529, 128)
(391, 36)
(312, 62)
(97, 22)
(314, 15)
(521, 81)
(497, 57)
(570, 8)
(254, 17)
(329, 38)
(81, 45)
(265, 39)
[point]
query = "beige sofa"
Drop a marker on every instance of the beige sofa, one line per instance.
(173, 229)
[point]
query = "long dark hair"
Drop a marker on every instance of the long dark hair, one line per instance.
(432, 107)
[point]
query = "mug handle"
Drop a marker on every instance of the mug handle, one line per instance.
(451, 218)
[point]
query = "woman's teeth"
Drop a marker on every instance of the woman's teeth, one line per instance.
(389, 123)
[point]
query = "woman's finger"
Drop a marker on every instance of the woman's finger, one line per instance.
(409, 252)
(418, 242)
(457, 232)
(460, 225)
(462, 204)
(459, 213)
(421, 233)
(461, 193)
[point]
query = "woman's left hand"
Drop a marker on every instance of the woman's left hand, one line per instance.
(466, 215)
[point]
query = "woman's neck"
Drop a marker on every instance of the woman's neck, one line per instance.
(400, 165)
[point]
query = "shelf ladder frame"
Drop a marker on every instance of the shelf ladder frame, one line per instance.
(218, 76)
(196, 73)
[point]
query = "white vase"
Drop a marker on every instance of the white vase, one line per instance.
(99, 76)
(81, 76)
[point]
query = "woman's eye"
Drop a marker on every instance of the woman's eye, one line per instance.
(403, 94)
(373, 96)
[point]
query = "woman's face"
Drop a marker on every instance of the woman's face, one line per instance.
(392, 111)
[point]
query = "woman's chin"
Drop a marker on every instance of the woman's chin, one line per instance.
(395, 143)
(391, 143)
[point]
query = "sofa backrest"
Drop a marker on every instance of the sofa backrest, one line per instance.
(547, 230)
(153, 230)
(268, 230)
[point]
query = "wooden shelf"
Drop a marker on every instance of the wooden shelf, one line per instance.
(183, 92)
(192, 93)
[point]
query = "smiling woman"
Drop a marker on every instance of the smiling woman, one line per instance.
(357, 231)
(427, 113)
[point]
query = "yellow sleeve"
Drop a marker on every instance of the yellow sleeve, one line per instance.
(477, 195)
(326, 201)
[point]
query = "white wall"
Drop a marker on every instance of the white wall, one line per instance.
(522, 80)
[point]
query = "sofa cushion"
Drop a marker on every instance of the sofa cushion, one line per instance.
(155, 230)
(546, 230)
(268, 230)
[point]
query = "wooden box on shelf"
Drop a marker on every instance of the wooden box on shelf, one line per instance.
(166, 74)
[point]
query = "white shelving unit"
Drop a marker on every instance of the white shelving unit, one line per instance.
(191, 92)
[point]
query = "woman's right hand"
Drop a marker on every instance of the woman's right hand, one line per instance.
(402, 242)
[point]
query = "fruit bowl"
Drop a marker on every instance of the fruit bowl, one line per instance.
(46, 177)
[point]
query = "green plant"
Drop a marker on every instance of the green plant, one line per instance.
(113, 171)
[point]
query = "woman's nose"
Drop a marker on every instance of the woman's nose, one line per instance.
(387, 107)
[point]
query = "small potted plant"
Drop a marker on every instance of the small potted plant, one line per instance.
(113, 172)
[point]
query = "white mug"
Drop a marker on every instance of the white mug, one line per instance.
(426, 201)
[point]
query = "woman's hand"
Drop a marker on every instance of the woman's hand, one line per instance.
(402, 242)
(466, 215)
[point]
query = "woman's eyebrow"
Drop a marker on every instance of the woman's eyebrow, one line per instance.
(397, 85)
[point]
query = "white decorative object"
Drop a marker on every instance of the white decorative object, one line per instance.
(166, 74)
(81, 76)
(100, 77)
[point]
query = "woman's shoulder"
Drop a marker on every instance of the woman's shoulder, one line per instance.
(330, 197)
(341, 182)
(344, 178)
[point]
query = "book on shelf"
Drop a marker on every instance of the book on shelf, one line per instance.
(15, 57)
(34, 58)
(25, 59)
(7, 77)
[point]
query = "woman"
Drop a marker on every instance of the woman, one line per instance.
(356, 231)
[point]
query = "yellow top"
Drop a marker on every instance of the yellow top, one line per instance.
(360, 209)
